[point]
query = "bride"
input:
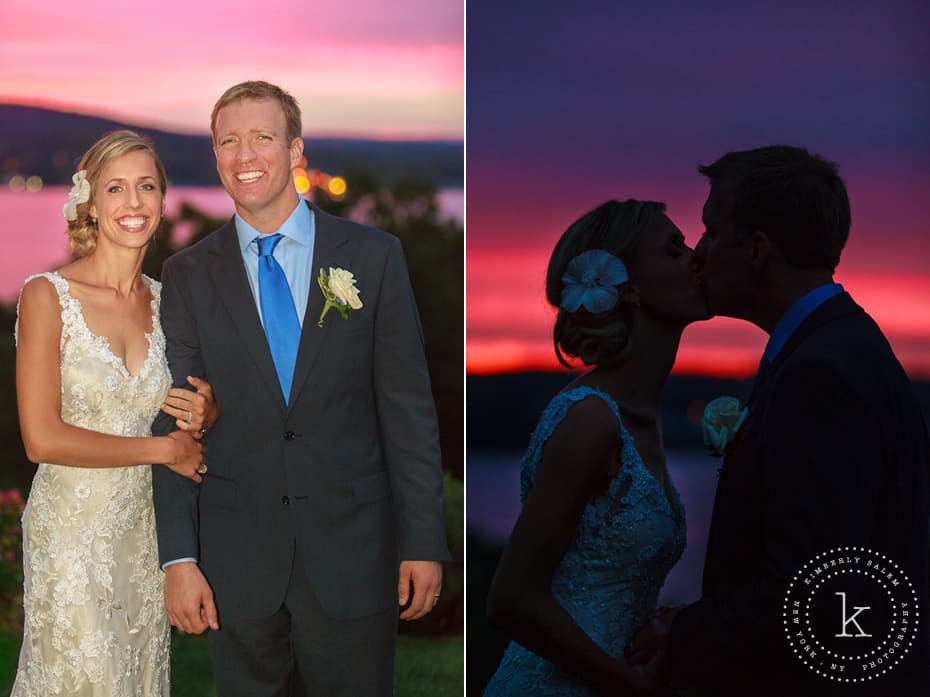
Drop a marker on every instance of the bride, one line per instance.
(90, 378)
(602, 523)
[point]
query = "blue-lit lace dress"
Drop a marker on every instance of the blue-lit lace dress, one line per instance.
(627, 541)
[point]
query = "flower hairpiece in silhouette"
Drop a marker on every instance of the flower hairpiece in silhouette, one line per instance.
(590, 281)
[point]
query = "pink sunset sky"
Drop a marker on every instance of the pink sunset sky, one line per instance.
(362, 69)
(567, 109)
(516, 214)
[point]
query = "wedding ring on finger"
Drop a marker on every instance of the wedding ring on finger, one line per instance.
(202, 469)
(190, 416)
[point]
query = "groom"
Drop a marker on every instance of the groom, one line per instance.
(834, 452)
(322, 508)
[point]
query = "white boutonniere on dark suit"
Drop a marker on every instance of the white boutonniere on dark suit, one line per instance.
(340, 292)
(723, 417)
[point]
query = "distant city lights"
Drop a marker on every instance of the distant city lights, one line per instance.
(19, 183)
(336, 186)
(307, 179)
(301, 182)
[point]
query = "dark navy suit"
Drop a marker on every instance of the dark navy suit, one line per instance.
(834, 453)
(308, 506)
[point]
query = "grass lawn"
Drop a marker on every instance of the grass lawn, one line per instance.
(9, 654)
(424, 667)
(427, 667)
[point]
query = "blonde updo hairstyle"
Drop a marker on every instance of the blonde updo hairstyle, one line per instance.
(602, 338)
(82, 232)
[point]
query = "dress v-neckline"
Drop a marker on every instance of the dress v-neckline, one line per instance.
(104, 342)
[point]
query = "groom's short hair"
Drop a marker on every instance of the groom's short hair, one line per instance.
(796, 198)
(259, 89)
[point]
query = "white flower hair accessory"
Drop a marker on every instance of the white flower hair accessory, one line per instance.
(339, 290)
(723, 417)
(79, 193)
(590, 281)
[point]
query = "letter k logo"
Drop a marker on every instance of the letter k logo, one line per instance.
(852, 618)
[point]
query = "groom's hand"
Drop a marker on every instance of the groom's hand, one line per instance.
(647, 682)
(651, 639)
(188, 599)
(426, 579)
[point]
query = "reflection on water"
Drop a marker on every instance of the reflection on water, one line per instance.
(493, 504)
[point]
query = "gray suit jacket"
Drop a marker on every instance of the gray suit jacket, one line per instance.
(348, 472)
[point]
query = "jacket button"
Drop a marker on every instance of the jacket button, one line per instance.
(285, 500)
(289, 435)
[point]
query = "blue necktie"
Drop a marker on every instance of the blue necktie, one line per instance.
(282, 327)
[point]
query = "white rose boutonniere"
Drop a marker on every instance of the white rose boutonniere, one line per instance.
(723, 417)
(339, 290)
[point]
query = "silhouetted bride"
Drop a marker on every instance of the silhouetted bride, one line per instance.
(602, 523)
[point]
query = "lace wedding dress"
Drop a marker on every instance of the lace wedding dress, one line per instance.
(609, 580)
(95, 618)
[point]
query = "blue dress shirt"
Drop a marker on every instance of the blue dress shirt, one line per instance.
(797, 313)
(295, 255)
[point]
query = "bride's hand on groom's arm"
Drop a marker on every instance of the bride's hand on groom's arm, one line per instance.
(189, 599)
(186, 456)
(194, 411)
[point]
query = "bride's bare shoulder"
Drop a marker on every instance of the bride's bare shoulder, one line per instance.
(38, 291)
(587, 432)
(38, 311)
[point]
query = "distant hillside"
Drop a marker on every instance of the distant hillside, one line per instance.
(50, 143)
(502, 410)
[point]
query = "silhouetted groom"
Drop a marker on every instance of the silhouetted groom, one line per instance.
(833, 456)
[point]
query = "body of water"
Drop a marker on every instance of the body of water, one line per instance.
(493, 504)
(32, 228)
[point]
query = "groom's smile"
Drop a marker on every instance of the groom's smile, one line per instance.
(249, 176)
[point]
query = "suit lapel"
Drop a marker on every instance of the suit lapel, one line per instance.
(762, 375)
(328, 243)
(836, 307)
(229, 276)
